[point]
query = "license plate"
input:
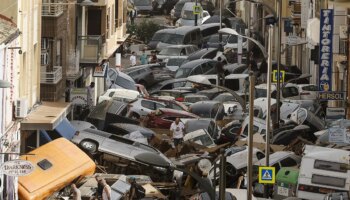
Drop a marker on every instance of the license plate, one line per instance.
(282, 191)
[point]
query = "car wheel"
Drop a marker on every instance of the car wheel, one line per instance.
(135, 116)
(89, 146)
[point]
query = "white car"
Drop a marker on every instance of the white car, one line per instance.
(188, 17)
(123, 95)
(308, 91)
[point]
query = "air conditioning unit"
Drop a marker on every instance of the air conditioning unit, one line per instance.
(21, 108)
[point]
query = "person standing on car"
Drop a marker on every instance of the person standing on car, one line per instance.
(89, 94)
(178, 130)
(221, 72)
(133, 59)
(143, 58)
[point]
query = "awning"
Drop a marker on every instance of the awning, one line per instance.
(46, 116)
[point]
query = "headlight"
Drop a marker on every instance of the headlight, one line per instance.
(166, 60)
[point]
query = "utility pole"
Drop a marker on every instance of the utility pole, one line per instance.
(250, 135)
(222, 183)
(278, 49)
(348, 75)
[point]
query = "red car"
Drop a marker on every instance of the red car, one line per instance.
(163, 117)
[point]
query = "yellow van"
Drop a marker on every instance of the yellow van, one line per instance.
(57, 164)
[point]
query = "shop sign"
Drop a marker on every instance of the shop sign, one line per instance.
(17, 168)
(326, 49)
(78, 96)
(337, 96)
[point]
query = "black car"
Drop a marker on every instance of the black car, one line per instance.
(196, 67)
(214, 40)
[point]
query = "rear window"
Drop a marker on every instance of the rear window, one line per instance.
(290, 92)
(330, 166)
(310, 88)
(328, 180)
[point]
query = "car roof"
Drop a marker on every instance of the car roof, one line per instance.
(189, 5)
(184, 29)
(194, 63)
(205, 26)
(198, 54)
(179, 46)
(277, 156)
(178, 112)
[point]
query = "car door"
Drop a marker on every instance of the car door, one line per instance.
(147, 107)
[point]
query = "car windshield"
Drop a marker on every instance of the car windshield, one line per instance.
(173, 38)
(175, 62)
(124, 83)
(143, 2)
(183, 72)
(170, 51)
(260, 93)
(224, 98)
(215, 38)
(203, 140)
(158, 36)
(188, 14)
(180, 5)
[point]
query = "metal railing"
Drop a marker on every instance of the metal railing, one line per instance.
(90, 47)
(52, 8)
(51, 76)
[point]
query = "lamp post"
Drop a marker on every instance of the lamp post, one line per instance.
(158, 161)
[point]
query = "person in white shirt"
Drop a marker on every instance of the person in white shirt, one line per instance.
(76, 192)
(178, 129)
(90, 94)
(133, 59)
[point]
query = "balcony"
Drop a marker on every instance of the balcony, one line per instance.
(52, 8)
(48, 76)
(90, 47)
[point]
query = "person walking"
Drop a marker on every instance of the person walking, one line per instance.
(153, 58)
(178, 130)
(106, 193)
(143, 58)
(90, 93)
(133, 59)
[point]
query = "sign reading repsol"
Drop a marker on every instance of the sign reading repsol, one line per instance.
(331, 95)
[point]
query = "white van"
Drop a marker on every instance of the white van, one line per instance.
(322, 171)
(188, 17)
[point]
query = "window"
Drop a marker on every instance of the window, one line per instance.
(260, 155)
(158, 105)
(288, 162)
(167, 86)
(197, 70)
(330, 166)
(58, 53)
(310, 88)
(206, 67)
(111, 94)
(148, 104)
(44, 164)
(290, 92)
(328, 180)
(255, 129)
(194, 37)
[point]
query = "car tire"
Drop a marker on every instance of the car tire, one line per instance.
(89, 146)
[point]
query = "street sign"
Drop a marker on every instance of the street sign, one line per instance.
(336, 135)
(17, 168)
(78, 96)
(335, 113)
(325, 96)
(101, 71)
(282, 74)
(267, 175)
(196, 10)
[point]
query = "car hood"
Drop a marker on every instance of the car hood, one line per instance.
(144, 8)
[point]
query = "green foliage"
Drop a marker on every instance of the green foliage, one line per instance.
(144, 30)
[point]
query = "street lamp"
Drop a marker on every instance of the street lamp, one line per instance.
(158, 161)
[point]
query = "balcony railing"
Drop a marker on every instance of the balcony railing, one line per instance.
(52, 8)
(90, 47)
(50, 76)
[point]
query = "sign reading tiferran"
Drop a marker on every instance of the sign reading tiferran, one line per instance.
(326, 53)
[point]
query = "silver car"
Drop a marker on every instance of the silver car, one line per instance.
(95, 141)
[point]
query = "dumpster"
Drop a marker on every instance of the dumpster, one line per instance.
(286, 183)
